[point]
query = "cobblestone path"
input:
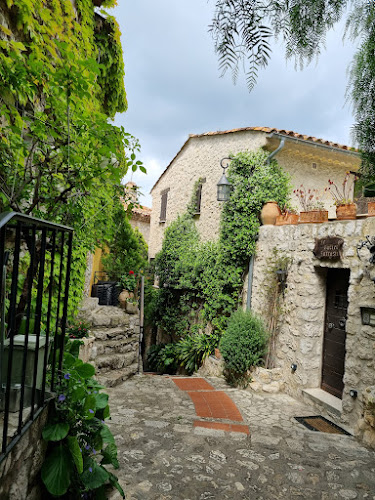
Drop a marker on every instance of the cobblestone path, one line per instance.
(164, 456)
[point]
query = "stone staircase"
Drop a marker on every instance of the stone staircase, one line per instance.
(116, 347)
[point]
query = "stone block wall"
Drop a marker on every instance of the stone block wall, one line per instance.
(301, 323)
(19, 471)
(116, 346)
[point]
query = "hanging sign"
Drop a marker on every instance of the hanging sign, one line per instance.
(329, 248)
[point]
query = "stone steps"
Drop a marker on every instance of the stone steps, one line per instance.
(115, 346)
(116, 377)
(106, 363)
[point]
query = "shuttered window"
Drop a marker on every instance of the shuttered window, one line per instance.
(163, 207)
(198, 196)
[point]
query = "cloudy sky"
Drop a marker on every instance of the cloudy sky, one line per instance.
(174, 87)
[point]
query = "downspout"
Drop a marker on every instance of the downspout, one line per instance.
(274, 153)
(251, 262)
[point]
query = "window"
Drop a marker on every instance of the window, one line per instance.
(198, 196)
(163, 207)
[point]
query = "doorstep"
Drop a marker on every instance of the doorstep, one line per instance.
(330, 403)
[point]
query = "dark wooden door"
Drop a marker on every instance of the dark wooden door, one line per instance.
(334, 332)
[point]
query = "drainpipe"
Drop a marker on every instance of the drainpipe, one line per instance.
(250, 283)
(274, 153)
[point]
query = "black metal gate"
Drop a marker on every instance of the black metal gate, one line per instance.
(35, 261)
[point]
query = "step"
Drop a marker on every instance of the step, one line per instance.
(116, 377)
(329, 402)
(122, 346)
(108, 362)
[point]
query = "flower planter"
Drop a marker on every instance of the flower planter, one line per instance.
(124, 297)
(346, 212)
(371, 208)
(286, 219)
(314, 216)
(217, 353)
(269, 213)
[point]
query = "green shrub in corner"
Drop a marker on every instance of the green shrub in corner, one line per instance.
(243, 345)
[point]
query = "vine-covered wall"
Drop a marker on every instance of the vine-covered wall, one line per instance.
(61, 78)
(201, 282)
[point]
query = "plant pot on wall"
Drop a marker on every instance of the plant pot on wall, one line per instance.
(313, 216)
(371, 208)
(346, 212)
(287, 219)
(269, 213)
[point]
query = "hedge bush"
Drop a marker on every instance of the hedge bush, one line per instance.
(243, 345)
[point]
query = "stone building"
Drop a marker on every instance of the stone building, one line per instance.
(310, 161)
(140, 215)
(325, 332)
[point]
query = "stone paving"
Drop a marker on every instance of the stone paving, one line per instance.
(163, 456)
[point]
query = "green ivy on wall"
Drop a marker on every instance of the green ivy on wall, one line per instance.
(61, 78)
(202, 282)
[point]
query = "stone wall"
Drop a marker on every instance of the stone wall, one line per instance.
(19, 479)
(116, 346)
(301, 324)
(200, 158)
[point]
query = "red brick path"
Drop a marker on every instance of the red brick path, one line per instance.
(211, 404)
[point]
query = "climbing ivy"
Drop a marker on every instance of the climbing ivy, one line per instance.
(60, 157)
(204, 280)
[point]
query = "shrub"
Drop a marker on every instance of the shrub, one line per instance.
(163, 358)
(194, 349)
(243, 345)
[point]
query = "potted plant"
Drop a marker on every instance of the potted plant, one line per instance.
(346, 209)
(312, 206)
(80, 331)
(128, 283)
(269, 212)
(289, 215)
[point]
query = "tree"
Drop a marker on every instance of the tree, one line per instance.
(243, 29)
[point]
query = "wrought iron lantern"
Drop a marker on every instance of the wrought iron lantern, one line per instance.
(224, 187)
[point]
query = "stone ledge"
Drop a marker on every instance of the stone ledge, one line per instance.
(323, 398)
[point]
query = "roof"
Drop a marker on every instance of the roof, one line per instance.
(138, 211)
(289, 133)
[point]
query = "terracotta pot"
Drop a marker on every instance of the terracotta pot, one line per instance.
(123, 297)
(346, 212)
(217, 353)
(286, 219)
(371, 208)
(269, 213)
(314, 216)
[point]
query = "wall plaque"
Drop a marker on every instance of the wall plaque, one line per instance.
(329, 248)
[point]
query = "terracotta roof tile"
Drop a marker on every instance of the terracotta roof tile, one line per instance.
(267, 130)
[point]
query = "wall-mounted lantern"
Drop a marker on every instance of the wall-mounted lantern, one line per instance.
(224, 187)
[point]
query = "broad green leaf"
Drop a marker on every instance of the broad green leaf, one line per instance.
(101, 401)
(110, 455)
(114, 482)
(56, 471)
(94, 475)
(75, 452)
(89, 406)
(85, 370)
(69, 360)
(143, 169)
(107, 435)
(55, 432)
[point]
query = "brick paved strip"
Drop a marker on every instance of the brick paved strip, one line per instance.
(215, 404)
(192, 384)
(223, 427)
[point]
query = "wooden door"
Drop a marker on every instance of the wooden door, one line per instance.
(334, 332)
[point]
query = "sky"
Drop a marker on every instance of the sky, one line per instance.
(174, 87)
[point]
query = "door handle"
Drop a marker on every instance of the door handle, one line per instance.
(342, 323)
